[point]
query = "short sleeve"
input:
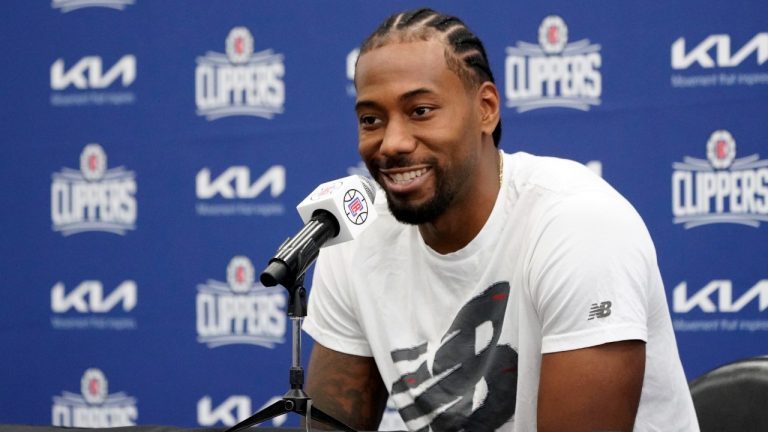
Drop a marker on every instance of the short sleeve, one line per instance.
(331, 319)
(589, 272)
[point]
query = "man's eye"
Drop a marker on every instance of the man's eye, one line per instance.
(420, 111)
(368, 120)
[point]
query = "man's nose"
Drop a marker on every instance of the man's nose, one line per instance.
(398, 139)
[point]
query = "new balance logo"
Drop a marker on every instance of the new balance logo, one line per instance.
(601, 310)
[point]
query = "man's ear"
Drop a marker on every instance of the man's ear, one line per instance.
(488, 99)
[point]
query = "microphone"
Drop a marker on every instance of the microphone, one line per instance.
(335, 212)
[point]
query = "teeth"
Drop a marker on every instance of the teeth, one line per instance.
(407, 176)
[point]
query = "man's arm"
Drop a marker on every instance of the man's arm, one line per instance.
(591, 389)
(347, 387)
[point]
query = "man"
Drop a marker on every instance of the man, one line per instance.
(504, 292)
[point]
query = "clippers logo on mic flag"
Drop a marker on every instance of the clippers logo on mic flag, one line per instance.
(356, 207)
(349, 199)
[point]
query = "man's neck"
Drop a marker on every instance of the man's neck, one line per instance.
(461, 223)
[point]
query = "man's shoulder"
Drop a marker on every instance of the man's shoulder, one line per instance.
(552, 174)
(564, 191)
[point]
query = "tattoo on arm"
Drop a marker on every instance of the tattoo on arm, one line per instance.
(346, 387)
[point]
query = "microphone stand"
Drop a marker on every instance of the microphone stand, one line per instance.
(295, 400)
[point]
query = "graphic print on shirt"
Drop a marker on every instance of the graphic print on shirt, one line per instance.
(472, 385)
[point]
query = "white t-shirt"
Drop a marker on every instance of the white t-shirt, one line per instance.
(563, 262)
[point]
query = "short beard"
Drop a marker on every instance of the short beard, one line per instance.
(429, 211)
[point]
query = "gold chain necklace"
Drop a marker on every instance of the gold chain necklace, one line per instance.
(501, 167)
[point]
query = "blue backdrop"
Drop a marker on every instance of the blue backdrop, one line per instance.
(154, 151)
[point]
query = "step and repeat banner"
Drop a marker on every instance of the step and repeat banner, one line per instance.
(154, 153)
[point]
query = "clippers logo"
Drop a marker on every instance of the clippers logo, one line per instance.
(701, 299)
(93, 386)
(88, 74)
(93, 310)
(235, 184)
(240, 82)
(240, 311)
(70, 5)
(553, 73)
(232, 411)
(355, 207)
(94, 407)
(721, 188)
(94, 198)
(700, 54)
(325, 190)
(600, 310)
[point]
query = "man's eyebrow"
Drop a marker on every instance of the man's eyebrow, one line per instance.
(416, 92)
(365, 104)
(402, 98)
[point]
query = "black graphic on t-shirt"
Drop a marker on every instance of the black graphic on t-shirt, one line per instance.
(457, 370)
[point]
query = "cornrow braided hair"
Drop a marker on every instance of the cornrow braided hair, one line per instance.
(465, 54)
